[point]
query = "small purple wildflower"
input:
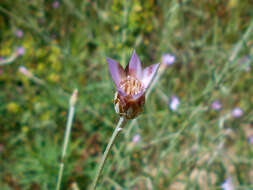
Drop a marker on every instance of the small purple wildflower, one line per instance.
(24, 71)
(174, 103)
(251, 139)
(19, 33)
(20, 51)
(136, 139)
(245, 60)
(168, 59)
(237, 112)
(247, 69)
(56, 4)
(131, 84)
(228, 185)
(216, 105)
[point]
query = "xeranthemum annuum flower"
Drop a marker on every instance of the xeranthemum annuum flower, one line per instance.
(131, 83)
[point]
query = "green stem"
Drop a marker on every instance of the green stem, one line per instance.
(9, 60)
(120, 124)
(67, 137)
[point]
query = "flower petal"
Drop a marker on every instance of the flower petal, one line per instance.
(148, 74)
(130, 97)
(117, 72)
(136, 96)
(134, 66)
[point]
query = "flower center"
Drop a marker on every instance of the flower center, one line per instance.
(131, 85)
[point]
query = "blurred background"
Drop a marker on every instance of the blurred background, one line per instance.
(196, 131)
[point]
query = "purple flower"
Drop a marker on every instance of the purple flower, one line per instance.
(237, 112)
(168, 59)
(19, 33)
(228, 185)
(251, 139)
(247, 69)
(136, 139)
(24, 71)
(56, 4)
(174, 103)
(245, 60)
(131, 83)
(20, 51)
(216, 105)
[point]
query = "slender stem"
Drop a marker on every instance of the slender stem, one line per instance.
(67, 136)
(119, 127)
(9, 60)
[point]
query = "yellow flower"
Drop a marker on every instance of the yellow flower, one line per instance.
(12, 107)
(52, 58)
(56, 66)
(53, 77)
(25, 129)
(45, 116)
(116, 28)
(41, 67)
(5, 51)
(137, 7)
(233, 3)
(41, 52)
(56, 50)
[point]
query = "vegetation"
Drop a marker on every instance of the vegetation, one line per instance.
(49, 48)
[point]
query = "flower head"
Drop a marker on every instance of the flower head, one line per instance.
(174, 103)
(131, 83)
(20, 51)
(136, 138)
(56, 4)
(247, 69)
(246, 61)
(216, 105)
(228, 184)
(251, 139)
(19, 33)
(168, 59)
(237, 112)
(25, 71)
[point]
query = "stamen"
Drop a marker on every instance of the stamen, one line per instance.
(131, 85)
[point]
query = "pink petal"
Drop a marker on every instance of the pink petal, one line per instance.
(136, 96)
(121, 92)
(134, 67)
(148, 74)
(130, 97)
(117, 72)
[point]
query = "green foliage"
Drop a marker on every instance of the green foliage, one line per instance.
(194, 147)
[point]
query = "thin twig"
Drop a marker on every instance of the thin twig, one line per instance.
(9, 60)
(73, 100)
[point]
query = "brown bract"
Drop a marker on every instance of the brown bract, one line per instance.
(128, 108)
